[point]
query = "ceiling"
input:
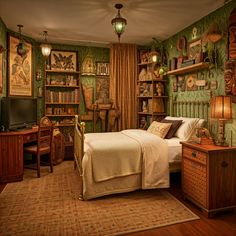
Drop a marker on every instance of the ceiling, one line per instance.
(88, 22)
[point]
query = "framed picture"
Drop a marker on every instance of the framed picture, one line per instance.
(102, 68)
(195, 50)
(63, 60)
(181, 83)
(191, 82)
(102, 90)
(19, 69)
(1, 82)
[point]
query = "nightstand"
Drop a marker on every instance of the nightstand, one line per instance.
(209, 176)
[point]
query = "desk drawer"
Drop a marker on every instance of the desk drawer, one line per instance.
(27, 138)
(195, 155)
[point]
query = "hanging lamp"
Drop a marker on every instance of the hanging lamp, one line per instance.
(21, 47)
(119, 22)
(45, 47)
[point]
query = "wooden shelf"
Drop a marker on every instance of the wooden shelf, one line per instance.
(187, 69)
(154, 80)
(66, 115)
(63, 71)
(144, 97)
(161, 96)
(61, 103)
(62, 86)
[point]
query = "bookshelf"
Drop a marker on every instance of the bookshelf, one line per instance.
(62, 101)
(150, 94)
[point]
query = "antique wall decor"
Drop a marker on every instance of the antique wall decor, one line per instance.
(63, 60)
(19, 69)
(102, 68)
(88, 65)
(191, 82)
(195, 50)
(1, 80)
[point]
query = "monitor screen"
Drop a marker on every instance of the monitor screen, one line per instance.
(19, 112)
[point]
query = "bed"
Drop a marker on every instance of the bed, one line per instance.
(132, 166)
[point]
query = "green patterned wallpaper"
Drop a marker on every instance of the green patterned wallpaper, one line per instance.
(97, 54)
(216, 73)
(3, 42)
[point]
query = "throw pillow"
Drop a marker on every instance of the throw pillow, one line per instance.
(174, 127)
(159, 129)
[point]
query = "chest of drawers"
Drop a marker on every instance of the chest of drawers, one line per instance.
(209, 176)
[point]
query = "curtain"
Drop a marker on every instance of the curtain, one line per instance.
(123, 77)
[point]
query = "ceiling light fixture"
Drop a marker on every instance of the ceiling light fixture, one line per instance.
(21, 47)
(118, 22)
(45, 47)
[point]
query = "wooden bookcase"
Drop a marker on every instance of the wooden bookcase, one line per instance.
(151, 94)
(62, 99)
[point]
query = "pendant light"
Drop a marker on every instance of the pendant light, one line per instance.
(45, 47)
(118, 22)
(21, 47)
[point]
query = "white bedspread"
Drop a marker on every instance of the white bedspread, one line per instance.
(129, 152)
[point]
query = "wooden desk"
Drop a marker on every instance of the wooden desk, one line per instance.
(11, 153)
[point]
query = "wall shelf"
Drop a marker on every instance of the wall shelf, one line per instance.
(188, 69)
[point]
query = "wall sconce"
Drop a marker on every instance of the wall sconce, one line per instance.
(21, 47)
(118, 22)
(45, 47)
(221, 110)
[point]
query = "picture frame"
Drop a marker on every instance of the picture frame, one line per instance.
(195, 51)
(102, 68)
(1, 71)
(20, 81)
(63, 60)
(191, 82)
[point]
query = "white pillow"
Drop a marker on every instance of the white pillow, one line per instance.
(186, 130)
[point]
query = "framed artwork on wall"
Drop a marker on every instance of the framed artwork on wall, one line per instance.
(102, 68)
(63, 60)
(1, 81)
(19, 69)
(191, 82)
(195, 50)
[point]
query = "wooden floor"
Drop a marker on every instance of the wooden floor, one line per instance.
(223, 224)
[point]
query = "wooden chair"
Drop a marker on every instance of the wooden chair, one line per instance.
(44, 144)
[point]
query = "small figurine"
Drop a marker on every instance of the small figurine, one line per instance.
(159, 89)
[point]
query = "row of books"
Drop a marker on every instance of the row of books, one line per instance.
(62, 97)
(61, 110)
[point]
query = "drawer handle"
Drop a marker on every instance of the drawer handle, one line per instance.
(224, 164)
(194, 154)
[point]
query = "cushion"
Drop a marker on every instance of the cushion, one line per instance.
(159, 129)
(188, 126)
(174, 127)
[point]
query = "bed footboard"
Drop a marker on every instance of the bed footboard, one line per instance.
(79, 150)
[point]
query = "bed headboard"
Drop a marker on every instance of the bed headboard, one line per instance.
(198, 109)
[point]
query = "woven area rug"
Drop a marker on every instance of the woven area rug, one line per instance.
(49, 206)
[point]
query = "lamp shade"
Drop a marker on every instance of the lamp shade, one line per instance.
(221, 107)
(46, 49)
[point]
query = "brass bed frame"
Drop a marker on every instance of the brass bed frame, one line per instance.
(198, 109)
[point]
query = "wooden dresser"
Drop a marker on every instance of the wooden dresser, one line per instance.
(209, 176)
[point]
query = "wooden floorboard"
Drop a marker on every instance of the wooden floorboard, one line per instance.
(223, 224)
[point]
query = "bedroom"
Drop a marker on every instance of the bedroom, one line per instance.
(93, 55)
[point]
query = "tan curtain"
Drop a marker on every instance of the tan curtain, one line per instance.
(123, 65)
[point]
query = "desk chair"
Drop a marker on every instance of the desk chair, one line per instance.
(44, 144)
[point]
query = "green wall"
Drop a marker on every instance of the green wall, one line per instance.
(97, 53)
(3, 42)
(216, 72)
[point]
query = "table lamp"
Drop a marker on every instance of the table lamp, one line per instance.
(221, 110)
